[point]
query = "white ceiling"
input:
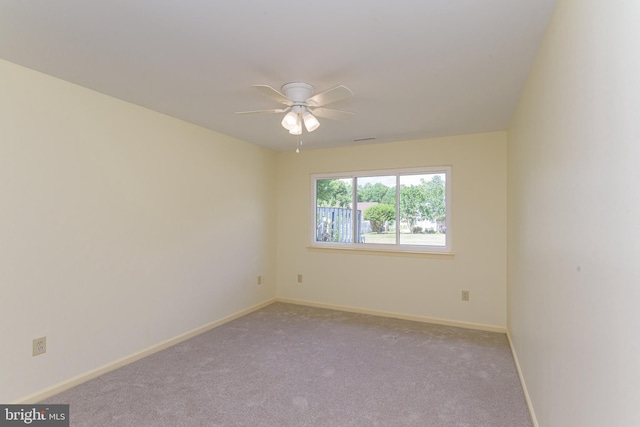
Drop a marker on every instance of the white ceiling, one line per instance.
(418, 68)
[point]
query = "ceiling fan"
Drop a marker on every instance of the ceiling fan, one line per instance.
(302, 106)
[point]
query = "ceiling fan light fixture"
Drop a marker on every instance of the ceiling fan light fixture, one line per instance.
(310, 121)
(290, 120)
(296, 131)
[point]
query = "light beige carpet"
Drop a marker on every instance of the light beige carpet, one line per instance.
(289, 365)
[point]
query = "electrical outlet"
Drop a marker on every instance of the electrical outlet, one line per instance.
(465, 295)
(299, 278)
(259, 280)
(39, 346)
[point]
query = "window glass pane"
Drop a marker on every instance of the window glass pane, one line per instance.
(402, 210)
(334, 221)
(423, 210)
(377, 209)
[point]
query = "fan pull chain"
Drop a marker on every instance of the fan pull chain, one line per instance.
(298, 146)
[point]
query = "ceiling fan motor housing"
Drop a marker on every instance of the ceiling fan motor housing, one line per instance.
(298, 92)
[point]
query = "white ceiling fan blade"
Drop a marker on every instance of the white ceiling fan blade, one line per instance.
(276, 110)
(329, 113)
(274, 94)
(328, 96)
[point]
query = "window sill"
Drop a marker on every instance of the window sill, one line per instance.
(382, 251)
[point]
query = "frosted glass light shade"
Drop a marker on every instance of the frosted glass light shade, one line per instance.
(290, 120)
(296, 129)
(310, 122)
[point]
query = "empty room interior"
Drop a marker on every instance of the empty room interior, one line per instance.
(139, 210)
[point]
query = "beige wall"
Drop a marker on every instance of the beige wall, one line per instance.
(409, 285)
(574, 219)
(121, 228)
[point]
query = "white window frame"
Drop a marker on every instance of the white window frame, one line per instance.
(397, 247)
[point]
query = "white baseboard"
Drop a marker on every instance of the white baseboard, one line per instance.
(522, 382)
(79, 379)
(424, 319)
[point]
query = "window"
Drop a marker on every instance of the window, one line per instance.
(400, 210)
